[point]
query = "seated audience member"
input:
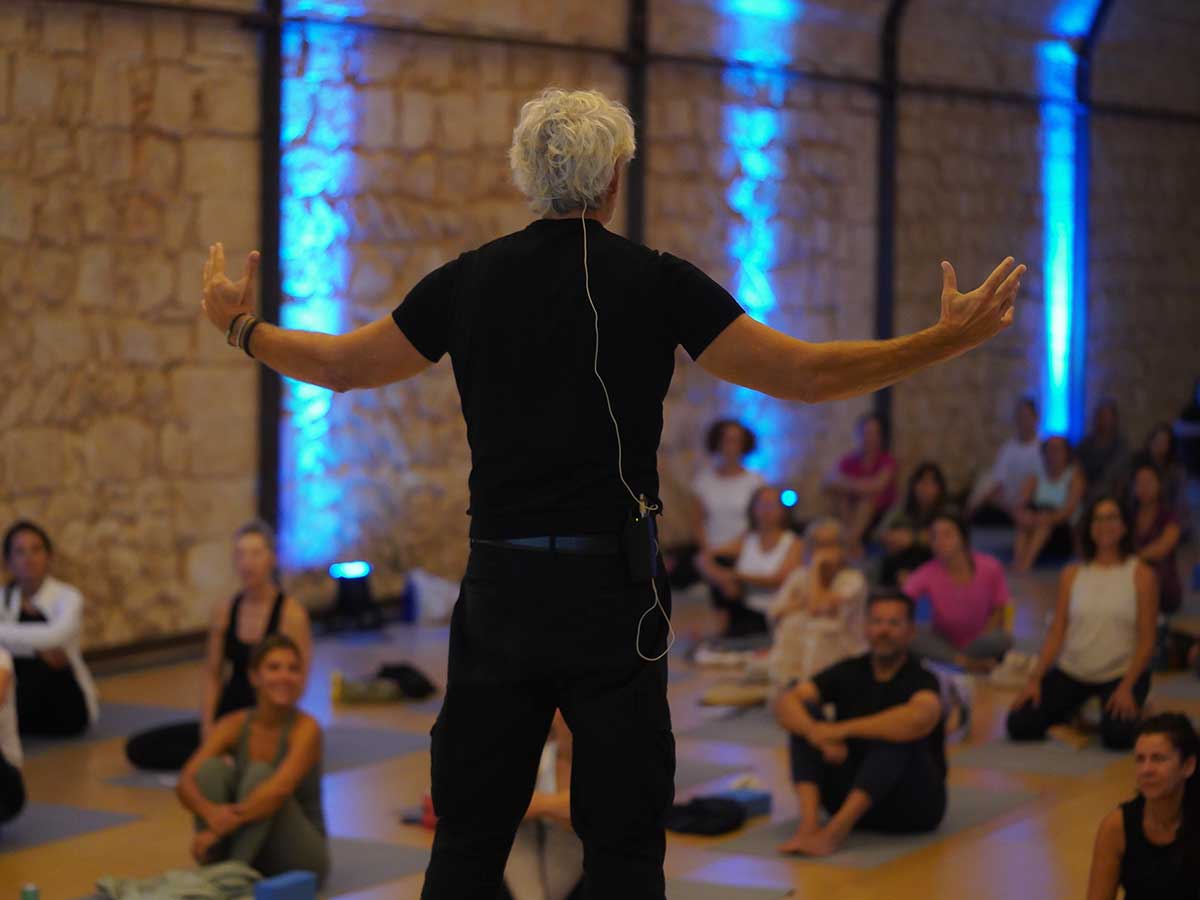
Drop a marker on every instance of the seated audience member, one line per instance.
(1048, 505)
(254, 785)
(904, 530)
(763, 559)
(546, 861)
(1103, 453)
(863, 485)
(1156, 534)
(881, 764)
(969, 593)
(1150, 845)
(40, 622)
(1161, 451)
(997, 495)
(817, 616)
(12, 785)
(259, 610)
(1100, 640)
(723, 489)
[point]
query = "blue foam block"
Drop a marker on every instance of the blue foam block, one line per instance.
(288, 886)
(756, 803)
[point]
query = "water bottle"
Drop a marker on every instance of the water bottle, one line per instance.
(30, 892)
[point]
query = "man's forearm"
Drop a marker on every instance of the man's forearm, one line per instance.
(307, 356)
(841, 369)
(898, 725)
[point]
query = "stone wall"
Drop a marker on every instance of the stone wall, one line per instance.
(127, 141)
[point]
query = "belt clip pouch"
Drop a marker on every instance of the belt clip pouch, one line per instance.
(640, 538)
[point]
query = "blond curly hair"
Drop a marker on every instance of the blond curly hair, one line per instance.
(566, 146)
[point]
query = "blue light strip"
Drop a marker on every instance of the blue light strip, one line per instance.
(754, 35)
(319, 123)
(1062, 245)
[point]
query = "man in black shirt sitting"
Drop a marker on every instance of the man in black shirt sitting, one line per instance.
(882, 763)
(563, 337)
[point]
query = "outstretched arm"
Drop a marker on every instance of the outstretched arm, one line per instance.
(753, 355)
(374, 355)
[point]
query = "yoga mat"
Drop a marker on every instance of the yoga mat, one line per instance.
(43, 823)
(755, 725)
(1184, 687)
(346, 747)
(1034, 758)
(361, 864)
(968, 807)
(117, 720)
(692, 772)
(703, 890)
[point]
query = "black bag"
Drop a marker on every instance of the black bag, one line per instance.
(412, 682)
(706, 815)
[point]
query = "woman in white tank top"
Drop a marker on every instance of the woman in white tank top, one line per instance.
(765, 555)
(1101, 639)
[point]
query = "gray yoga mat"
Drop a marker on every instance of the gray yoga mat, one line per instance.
(346, 747)
(704, 890)
(43, 823)
(1184, 687)
(1034, 758)
(117, 720)
(967, 807)
(361, 864)
(756, 726)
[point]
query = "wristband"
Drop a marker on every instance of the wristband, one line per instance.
(245, 339)
(232, 324)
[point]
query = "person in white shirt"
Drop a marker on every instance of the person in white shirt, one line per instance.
(819, 614)
(12, 785)
(996, 496)
(40, 623)
(723, 490)
(762, 559)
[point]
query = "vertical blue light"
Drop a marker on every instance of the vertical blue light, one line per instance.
(319, 123)
(755, 32)
(1057, 64)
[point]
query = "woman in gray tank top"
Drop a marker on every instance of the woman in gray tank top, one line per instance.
(255, 783)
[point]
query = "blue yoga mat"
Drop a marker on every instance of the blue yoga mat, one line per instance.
(692, 772)
(755, 726)
(117, 720)
(44, 823)
(1034, 758)
(1184, 687)
(704, 890)
(967, 807)
(361, 864)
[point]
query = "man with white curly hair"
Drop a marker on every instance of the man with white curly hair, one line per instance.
(562, 337)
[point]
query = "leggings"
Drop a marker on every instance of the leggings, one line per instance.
(284, 842)
(1062, 696)
(12, 791)
(50, 702)
(928, 644)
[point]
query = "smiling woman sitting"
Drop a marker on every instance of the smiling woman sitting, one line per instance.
(255, 783)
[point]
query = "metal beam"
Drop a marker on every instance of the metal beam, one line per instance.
(635, 177)
(270, 165)
(1077, 401)
(885, 209)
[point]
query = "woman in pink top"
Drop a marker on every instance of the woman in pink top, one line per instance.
(968, 592)
(863, 486)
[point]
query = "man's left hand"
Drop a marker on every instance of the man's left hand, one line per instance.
(224, 300)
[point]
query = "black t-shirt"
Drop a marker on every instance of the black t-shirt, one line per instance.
(515, 319)
(852, 688)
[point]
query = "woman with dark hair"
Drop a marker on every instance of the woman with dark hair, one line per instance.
(1100, 640)
(1150, 845)
(40, 621)
(1048, 506)
(1156, 534)
(763, 557)
(969, 594)
(254, 784)
(904, 531)
(259, 610)
(863, 485)
(723, 489)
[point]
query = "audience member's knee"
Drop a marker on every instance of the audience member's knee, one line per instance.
(254, 775)
(1118, 734)
(213, 777)
(1024, 724)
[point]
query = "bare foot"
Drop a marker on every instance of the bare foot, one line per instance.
(804, 831)
(811, 843)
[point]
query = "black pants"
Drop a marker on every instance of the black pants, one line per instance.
(533, 631)
(164, 749)
(1062, 696)
(906, 785)
(12, 791)
(50, 702)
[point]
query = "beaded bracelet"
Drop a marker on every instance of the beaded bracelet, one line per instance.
(232, 324)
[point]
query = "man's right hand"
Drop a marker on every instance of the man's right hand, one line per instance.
(974, 317)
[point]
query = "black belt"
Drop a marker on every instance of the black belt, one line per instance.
(583, 544)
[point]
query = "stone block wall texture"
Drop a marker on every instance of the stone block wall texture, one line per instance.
(127, 141)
